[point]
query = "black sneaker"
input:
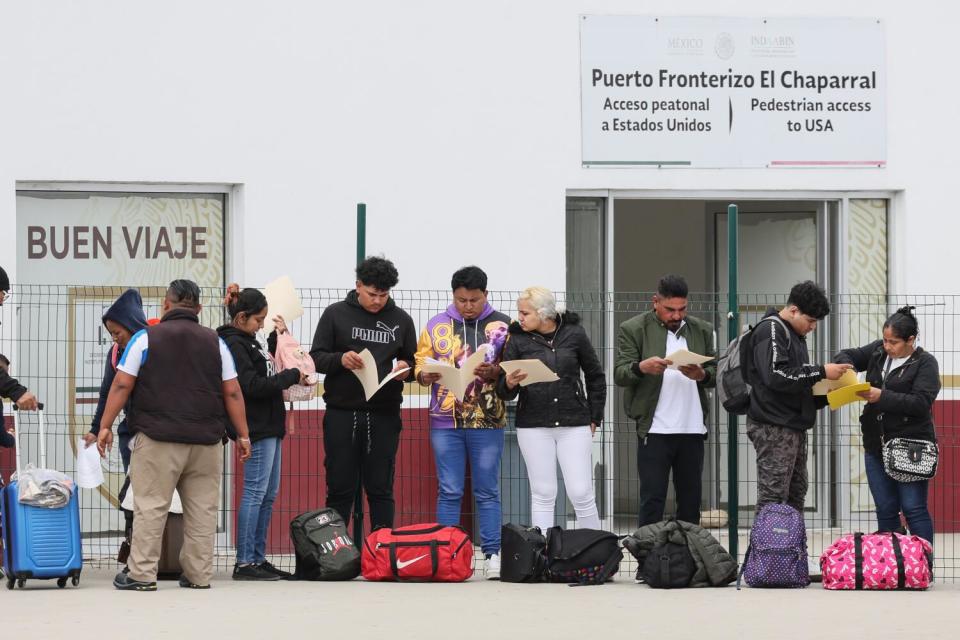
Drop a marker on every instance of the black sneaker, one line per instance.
(272, 569)
(124, 582)
(253, 572)
(186, 584)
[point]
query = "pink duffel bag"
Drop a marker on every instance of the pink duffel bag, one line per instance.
(876, 561)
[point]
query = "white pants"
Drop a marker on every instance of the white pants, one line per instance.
(542, 448)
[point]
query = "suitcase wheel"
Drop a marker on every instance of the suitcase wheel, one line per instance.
(62, 582)
(10, 582)
(75, 581)
(21, 582)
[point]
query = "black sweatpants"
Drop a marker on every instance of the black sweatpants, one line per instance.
(657, 455)
(355, 442)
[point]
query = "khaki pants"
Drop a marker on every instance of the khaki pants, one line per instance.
(156, 469)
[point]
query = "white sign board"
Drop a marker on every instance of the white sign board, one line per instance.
(732, 92)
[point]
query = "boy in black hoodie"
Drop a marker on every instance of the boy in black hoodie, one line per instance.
(361, 436)
(122, 320)
(782, 405)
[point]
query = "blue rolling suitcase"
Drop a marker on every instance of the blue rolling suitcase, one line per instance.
(38, 542)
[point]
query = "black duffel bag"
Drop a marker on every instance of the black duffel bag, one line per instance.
(323, 548)
(522, 554)
(668, 565)
(582, 556)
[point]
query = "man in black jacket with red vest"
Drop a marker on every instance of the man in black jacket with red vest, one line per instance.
(183, 395)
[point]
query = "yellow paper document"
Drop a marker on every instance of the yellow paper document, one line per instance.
(368, 375)
(535, 369)
(824, 387)
(845, 395)
(683, 358)
(454, 379)
(282, 300)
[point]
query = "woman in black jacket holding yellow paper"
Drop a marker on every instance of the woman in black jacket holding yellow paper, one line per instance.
(555, 420)
(904, 383)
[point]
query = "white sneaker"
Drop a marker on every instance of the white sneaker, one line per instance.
(491, 567)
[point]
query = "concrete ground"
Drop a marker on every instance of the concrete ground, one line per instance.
(476, 609)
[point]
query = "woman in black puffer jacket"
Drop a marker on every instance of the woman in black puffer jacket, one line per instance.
(555, 420)
(904, 383)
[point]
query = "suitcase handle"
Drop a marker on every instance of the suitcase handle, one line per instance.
(16, 436)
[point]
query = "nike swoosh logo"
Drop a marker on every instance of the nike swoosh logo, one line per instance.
(406, 563)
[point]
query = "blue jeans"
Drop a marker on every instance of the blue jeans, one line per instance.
(451, 447)
(893, 497)
(261, 480)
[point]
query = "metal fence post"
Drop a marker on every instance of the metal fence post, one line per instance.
(733, 329)
(358, 498)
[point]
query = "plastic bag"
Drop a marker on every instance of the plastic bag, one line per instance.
(44, 488)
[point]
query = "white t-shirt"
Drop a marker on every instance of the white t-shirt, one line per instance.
(895, 363)
(678, 409)
(136, 354)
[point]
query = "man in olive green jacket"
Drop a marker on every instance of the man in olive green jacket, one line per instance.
(668, 404)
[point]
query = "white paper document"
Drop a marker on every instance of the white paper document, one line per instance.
(282, 300)
(454, 379)
(176, 505)
(824, 387)
(368, 375)
(535, 369)
(89, 471)
(683, 358)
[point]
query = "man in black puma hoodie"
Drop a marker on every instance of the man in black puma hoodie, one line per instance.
(360, 435)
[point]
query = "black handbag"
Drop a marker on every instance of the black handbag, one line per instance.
(910, 460)
(522, 554)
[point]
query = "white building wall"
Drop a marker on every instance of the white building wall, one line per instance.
(458, 125)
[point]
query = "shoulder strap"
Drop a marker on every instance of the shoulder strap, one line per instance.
(776, 318)
(898, 553)
(743, 567)
(858, 560)
(114, 355)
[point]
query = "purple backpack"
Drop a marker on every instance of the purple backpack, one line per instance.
(777, 555)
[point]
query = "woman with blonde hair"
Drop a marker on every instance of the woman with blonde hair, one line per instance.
(555, 420)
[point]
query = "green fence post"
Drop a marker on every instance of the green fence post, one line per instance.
(361, 232)
(358, 498)
(733, 329)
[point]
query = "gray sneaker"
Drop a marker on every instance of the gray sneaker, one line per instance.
(124, 582)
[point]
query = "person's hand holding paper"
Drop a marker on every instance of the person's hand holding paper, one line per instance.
(525, 372)
(454, 379)
(367, 373)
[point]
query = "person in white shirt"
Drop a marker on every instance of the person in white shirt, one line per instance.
(668, 403)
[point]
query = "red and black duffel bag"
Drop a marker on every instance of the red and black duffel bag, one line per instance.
(418, 553)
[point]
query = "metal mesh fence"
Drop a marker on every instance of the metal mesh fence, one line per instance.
(58, 348)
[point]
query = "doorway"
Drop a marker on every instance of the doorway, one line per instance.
(782, 242)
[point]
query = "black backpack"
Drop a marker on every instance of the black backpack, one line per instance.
(582, 556)
(733, 385)
(324, 550)
(668, 565)
(522, 554)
